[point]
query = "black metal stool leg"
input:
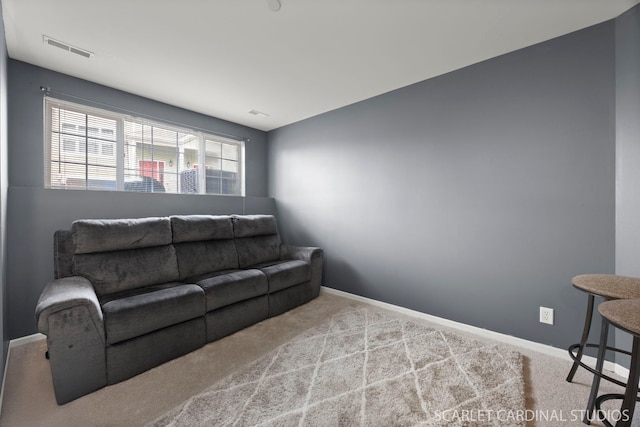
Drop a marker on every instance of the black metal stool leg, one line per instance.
(630, 394)
(595, 385)
(583, 339)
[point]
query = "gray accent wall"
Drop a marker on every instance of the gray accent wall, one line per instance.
(627, 55)
(34, 213)
(475, 196)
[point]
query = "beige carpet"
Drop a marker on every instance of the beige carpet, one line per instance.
(363, 367)
(29, 401)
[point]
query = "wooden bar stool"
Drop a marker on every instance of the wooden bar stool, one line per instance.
(624, 315)
(610, 287)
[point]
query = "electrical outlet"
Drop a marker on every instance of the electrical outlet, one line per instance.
(546, 315)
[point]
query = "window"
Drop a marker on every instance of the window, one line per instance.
(92, 149)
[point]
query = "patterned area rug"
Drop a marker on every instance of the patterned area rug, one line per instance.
(366, 368)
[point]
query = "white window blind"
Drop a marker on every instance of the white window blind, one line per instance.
(92, 149)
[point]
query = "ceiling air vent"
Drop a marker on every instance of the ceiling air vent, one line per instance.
(258, 113)
(65, 46)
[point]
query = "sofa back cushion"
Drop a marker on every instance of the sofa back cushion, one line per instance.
(123, 254)
(196, 228)
(103, 235)
(62, 254)
(257, 239)
(204, 244)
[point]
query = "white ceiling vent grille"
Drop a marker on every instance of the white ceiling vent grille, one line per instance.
(258, 113)
(65, 46)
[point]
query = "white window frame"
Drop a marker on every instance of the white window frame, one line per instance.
(119, 149)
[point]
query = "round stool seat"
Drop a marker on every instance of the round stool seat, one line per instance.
(623, 314)
(609, 286)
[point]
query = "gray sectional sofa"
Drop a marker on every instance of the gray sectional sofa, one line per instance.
(131, 294)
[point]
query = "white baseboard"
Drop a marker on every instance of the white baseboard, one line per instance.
(485, 333)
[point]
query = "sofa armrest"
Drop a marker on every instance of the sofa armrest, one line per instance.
(310, 254)
(69, 314)
(66, 293)
(304, 253)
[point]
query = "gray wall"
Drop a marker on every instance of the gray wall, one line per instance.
(474, 196)
(4, 184)
(34, 213)
(627, 152)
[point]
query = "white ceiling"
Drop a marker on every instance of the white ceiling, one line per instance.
(224, 58)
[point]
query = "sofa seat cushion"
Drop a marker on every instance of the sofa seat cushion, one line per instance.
(140, 311)
(228, 287)
(285, 273)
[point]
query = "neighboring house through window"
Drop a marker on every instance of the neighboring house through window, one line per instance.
(93, 149)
